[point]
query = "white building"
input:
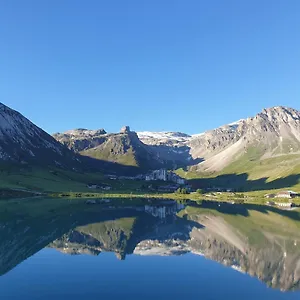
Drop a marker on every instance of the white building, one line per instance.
(164, 175)
(161, 174)
(286, 194)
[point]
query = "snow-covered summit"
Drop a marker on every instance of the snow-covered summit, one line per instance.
(163, 137)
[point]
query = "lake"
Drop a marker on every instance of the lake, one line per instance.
(143, 249)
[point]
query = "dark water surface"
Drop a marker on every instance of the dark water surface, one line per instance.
(60, 249)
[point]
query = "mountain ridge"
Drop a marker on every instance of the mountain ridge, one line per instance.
(124, 147)
(273, 132)
(264, 146)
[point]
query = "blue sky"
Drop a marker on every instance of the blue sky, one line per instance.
(154, 65)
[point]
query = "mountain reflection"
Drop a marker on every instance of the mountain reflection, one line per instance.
(258, 240)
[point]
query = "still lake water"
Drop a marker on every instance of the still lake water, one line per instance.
(53, 249)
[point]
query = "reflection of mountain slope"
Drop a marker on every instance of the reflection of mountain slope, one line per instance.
(122, 235)
(263, 244)
(261, 241)
(114, 236)
(24, 234)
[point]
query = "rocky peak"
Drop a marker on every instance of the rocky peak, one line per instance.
(280, 113)
(125, 129)
(82, 133)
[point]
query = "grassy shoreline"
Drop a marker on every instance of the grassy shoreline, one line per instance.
(256, 197)
(65, 184)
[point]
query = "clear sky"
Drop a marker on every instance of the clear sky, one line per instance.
(159, 65)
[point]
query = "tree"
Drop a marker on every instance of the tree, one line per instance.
(199, 191)
(183, 191)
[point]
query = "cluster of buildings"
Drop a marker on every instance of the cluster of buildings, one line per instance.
(219, 189)
(282, 195)
(164, 175)
(154, 175)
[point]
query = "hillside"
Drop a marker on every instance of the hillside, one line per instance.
(32, 159)
(23, 143)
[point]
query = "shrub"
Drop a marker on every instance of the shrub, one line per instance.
(182, 191)
(240, 195)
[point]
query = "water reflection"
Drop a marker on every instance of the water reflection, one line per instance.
(261, 241)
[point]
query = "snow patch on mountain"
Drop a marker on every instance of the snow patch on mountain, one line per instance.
(164, 137)
(177, 136)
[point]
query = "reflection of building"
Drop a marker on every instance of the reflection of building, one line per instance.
(162, 211)
(285, 204)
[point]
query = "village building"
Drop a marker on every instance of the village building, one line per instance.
(160, 174)
(286, 194)
(269, 196)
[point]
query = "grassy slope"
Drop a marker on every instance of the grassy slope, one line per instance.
(127, 159)
(43, 180)
(279, 173)
(124, 149)
(262, 174)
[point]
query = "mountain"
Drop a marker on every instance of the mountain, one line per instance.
(124, 148)
(261, 152)
(81, 139)
(171, 147)
(22, 142)
(272, 133)
(266, 146)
